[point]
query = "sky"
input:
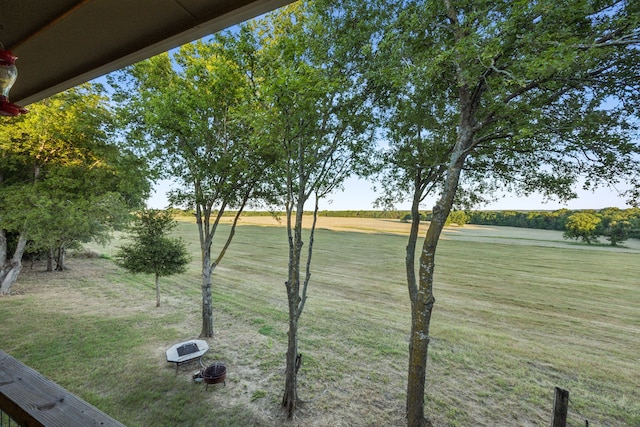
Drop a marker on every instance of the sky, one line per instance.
(358, 195)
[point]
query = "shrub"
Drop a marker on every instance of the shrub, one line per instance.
(458, 217)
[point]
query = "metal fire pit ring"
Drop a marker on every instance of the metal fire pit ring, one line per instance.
(214, 374)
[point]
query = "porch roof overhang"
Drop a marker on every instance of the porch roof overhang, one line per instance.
(62, 43)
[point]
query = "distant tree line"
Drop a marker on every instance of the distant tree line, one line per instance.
(615, 224)
(610, 223)
(544, 220)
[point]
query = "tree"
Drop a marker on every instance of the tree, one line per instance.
(190, 113)
(63, 180)
(618, 231)
(485, 95)
(459, 218)
(583, 225)
(152, 251)
(313, 114)
(616, 224)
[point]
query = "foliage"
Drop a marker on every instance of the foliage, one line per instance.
(534, 131)
(544, 220)
(618, 231)
(314, 115)
(63, 179)
(152, 251)
(459, 218)
(191, 113)
(484, 95)
(615, 224)
(582, 225)
(619, 225)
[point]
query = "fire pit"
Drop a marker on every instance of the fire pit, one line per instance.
(214, 374)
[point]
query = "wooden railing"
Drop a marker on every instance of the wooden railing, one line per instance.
(29, 399)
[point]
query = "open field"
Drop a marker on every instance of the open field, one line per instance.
(517, 313)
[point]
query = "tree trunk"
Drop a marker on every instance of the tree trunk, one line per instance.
(294, 231)
(50, 260)
(60, 258)
(207, 305)
(8, 276)
(422, 300)
(202, 219)
(10, 268)
(290, 397)
(421, 308)
(420, 319)
(157, 290)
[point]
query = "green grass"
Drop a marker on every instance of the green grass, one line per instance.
(514, 317)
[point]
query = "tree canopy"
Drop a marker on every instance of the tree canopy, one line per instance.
(63, 178)
(316, 118)
(191, 113)
(476, 96)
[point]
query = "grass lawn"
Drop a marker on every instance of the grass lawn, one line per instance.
(517, 313)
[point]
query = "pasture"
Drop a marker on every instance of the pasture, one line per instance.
(517, 313)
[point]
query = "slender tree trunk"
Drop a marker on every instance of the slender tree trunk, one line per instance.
(10, 268)
(421, 308)
(60, 259)
(418, 349)
(203, 217)
(207, 304)
(290, 397)
(422, 300)
(417, 345)
(157, 290)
